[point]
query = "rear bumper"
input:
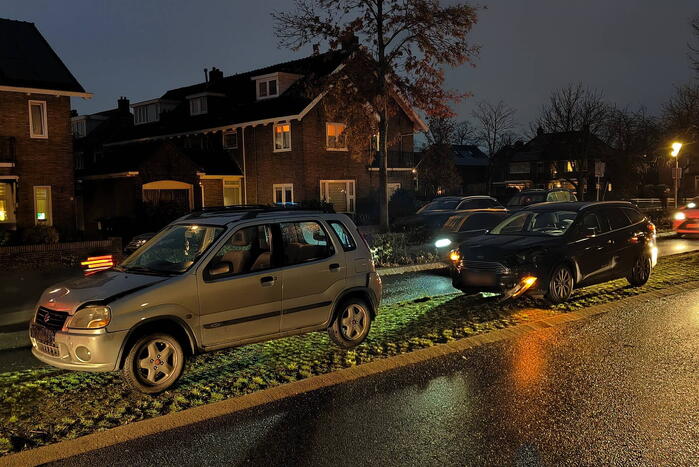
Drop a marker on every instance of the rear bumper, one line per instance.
(103, 350)
(376, 288)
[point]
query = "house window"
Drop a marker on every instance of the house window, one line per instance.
(146, 113)
(335, 137)
(37, 119)
(519, 167)
(568, 166)
(230, 139)
(282, 137)
(197, 105)
(283, 193)
(339, 193)
(43, 212)
(232, 192)
(7, 203)
(79, 128)
(267, 88)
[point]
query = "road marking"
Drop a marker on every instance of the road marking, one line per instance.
(129, 432)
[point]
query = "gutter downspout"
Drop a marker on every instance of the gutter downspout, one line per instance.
(245, 173)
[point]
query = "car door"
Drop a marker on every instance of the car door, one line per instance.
(625, 246)
(593, 248)
(314, 274)
(240, 288)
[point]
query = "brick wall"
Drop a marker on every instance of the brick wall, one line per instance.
(55, 255)
(213, 191)
(41, 161)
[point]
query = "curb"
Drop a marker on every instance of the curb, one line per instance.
(124, 433)
(383, 272)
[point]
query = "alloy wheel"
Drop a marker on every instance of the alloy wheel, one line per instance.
(354, 321)
(641, 270)
(156, 361)
(562, 283)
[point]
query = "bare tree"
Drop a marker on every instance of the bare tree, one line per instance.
(465, 133)
(495, 123)
(574, 108)
(681, 113)
(406, 44)
(694, 49)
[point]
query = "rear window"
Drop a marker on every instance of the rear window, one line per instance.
(526, 199)
(440, 205)
(617, 218)
(481, 221)
(634, 216)
(346, 240)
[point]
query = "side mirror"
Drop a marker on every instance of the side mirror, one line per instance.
(589, 231)
(221, 268)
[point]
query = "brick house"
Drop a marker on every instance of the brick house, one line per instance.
(36, 152)
(258, 137)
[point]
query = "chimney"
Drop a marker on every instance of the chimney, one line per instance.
(123, 105)
(349, 41)
(215, 74)
(316, 49)
(73, 113)
(206, 75)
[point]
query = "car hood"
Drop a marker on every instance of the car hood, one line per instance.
(103, 287)
(490, 247)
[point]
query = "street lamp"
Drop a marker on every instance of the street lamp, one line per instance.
(676, 146)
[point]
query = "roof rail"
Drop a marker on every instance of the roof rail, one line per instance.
(250, 211)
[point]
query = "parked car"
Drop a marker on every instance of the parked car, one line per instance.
(433, 215)
(137, 242)
(459, 227)
(686, 220)
(207, 281)
(550, 249)
(528, 197)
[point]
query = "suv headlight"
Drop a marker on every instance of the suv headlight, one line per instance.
(680, 216)
(91, 317)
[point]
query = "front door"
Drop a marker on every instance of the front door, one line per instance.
(313, 275)
(240, 288)
(340, 193)
(594, 252)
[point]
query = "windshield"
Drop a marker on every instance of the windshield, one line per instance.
(526, 199)
(553, 223)
(440, 205)
(173, 250)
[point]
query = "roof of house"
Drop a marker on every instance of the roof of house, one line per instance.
(237, 99)
(469, 155)
(28, 61)
(565, 145)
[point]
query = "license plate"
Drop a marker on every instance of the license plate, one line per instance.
(42, 334)
(480, 278)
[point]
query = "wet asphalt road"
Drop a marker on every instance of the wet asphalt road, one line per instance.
(619, 388)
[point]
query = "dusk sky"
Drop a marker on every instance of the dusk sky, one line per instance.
(635, 51)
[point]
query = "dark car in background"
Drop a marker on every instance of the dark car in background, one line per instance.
(137, 242)
(686, 220)
(550, 249)
(459, 227)
(528, 197)
(433, 215)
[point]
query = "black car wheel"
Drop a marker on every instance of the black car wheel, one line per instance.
(560, 285)
(640, 273)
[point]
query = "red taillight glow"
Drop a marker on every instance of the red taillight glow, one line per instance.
(651, 227)
(95, 264)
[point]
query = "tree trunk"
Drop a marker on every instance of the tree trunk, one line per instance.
(383, 173)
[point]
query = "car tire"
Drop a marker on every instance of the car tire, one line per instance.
(166, 356)
(561, 284)
(351, 324)
(641, 271)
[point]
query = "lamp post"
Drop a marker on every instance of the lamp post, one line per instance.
(675, 153)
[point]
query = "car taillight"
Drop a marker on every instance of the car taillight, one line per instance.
(651, 227)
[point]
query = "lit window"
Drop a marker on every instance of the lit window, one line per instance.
(7, 203)
(230, 139)
(569, 166)
(197, 105)
(283, 193)
(267, 88)
(37, 119)
(335, 136)
(42, 205)
(282, 137)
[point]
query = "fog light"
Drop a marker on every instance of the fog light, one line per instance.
(442, 242)
(524, 285)
(83, 353)
(455, 256)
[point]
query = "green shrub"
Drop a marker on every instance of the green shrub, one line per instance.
(40, 234)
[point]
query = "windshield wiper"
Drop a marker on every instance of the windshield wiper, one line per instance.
(146, 270)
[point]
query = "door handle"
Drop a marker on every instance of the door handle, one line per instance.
(267, 281)
(334, 267)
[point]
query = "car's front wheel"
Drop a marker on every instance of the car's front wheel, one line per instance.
(561, 284)
(154, 363)
(351, 324)
(640, 273)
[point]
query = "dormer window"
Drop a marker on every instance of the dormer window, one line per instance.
(267, 88)
(197, 105)
(149, 111)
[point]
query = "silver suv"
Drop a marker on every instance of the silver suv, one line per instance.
(211, 280)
